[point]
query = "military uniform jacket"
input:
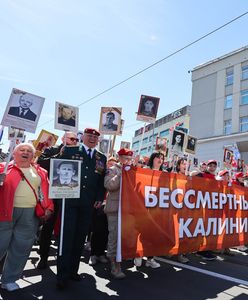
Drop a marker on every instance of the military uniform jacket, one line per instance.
(47, 154)
(92, 174)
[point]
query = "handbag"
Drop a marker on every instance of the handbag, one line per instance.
(39, 209)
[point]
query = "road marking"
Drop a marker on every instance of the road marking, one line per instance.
(206, 272)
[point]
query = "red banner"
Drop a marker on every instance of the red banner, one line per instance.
(166, 213)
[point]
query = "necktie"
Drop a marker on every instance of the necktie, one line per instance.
(22, 112)
(89, 153)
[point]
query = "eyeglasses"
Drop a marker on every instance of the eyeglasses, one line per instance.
(73, 139)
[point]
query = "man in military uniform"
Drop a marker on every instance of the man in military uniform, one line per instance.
(110, 126)
(78, 212)
(69, 138)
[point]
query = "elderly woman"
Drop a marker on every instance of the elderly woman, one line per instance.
(24, 184)
(112, 183)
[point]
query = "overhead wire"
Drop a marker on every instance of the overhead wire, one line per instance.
(156, 63)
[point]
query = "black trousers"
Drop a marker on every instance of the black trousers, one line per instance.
(77, 220)
(47, 231)
(99, 237)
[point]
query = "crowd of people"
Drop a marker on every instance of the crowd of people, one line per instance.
(94, 215)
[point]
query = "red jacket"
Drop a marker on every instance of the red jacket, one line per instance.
(7, 190)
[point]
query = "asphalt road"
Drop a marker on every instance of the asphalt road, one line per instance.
(226, 278)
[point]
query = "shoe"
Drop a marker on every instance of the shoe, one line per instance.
(76, 277)
(42, 264)
(87, 246)
(138, 261)
(242, 248)
(182, 258)
(152, 263)
(102, 259)
(93, 260)
(118, 274)
(228, 252)
(206, 255)
(61, 284)
(10, 287)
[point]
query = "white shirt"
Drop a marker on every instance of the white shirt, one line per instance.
(87, 148)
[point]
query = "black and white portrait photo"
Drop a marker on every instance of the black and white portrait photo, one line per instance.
(177, 141)
(64, 178)
(125, 145)
(15, 133)
(104, 146)
(191, 144)
(66, 117)
(148, 108)
(23, 110)
(110, 120)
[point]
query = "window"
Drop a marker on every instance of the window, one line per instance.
(244, 97)
(164, 133)
(244, 124)
(135, 144)
(228, 101)
(228, 127)
(143, 151)
(145, 140)
(229, 77)
(150, 138)
(245, 72)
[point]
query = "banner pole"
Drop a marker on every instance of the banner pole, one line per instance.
(113, 144)
(62, 215)
(12, 145)
(62, 227)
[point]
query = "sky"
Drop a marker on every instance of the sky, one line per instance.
(70, 51)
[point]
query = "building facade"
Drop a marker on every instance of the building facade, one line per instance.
(144, 138)
(219, 106)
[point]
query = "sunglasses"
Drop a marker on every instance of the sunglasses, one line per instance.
(73, 139)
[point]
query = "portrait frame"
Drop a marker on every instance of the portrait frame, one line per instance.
(31, 114)
(15, 133)
(126, 145)
(180, 149)
(122, 127)
(104, 146)
(161, 144)
(40, 143)
(71, 124)
(148, 116)
(115, 123)
(190, 146)
(59, 190)
(228, 155)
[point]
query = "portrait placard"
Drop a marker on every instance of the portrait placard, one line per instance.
(126, 145)
(148, 108)
(15, 133)
(45, 139)
(104, 146)
(228, 155)
(64, 178)
(177, 142)
(66, 117)
(191, 144)
(161, 144)
(110, 120)
(23, 110)
(122, 127)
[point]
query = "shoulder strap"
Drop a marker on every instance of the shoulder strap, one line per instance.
(24, 177)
